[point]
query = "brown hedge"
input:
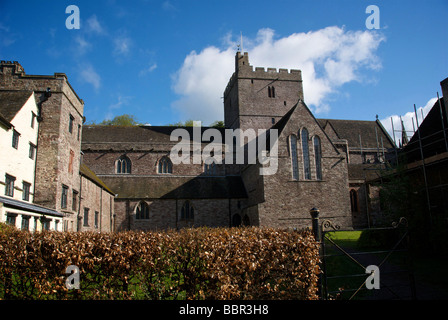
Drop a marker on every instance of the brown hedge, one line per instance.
(200, 263)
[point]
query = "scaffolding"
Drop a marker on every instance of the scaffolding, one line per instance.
(436, 142)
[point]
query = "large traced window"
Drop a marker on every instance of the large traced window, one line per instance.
(293, 153)
(318, 157)
(306, 154)
(165, 165)
(142, 211)
(187, 212)
(123, 165)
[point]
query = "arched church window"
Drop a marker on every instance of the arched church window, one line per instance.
(187, 212)
(318, 157)
(293, 153)
(165, 165)
(210, 169)
(306, 154)
(123, 164)
(142, 211)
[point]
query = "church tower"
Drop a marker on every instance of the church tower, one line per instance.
(258, 99)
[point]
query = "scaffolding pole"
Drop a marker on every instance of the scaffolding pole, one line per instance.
(443, 122)
(424, 167)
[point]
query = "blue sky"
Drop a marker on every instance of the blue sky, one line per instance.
(169, 61)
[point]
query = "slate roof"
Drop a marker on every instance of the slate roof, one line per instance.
(351, 129)
(11, 102)
(13, 203)
(85, 171)
(99, 137)
(176, 187)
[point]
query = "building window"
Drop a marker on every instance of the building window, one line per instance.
(26, 191)
(165, 165)
(79, 131)
(293, 153)
(273, 120)
(142, 211)
(32, 152)
(97, 215)
(306, 154)
(33, 119)
(187, 212)
(70, 124)
(11, 218)
(271, 92)
(45, 223)
(210, 167)
(318, 157)
(64, 197)
(9, 185)
(25, 222)
(75, 200)
(86, 217)
(15, 139)
(354, 200)
(123, 164)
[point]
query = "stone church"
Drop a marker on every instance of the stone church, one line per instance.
(320, 163)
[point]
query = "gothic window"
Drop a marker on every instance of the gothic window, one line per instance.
(187, 212)
(210, 167)
(142, 211)
(318, 157)
(165, 165)
(354, 200)
(306, 154)
(123, 164)
(293, 153)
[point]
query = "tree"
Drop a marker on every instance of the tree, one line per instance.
(189, 123)
(125, 120)
(218, 124)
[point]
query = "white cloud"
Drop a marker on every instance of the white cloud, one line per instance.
(328, 58)
(89, 75)
(82, 45)
(122, 45)
(94, 26)
(147, 70)
(121, 101)
(409, 121)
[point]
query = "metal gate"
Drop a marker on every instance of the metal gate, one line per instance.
(377, 267)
